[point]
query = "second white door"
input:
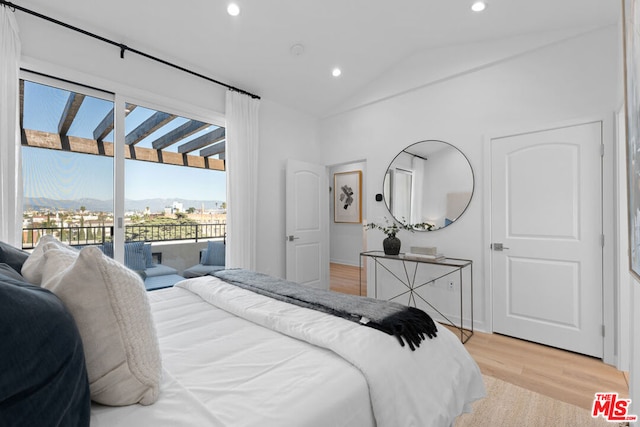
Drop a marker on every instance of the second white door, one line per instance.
(307, 224)
(546, 210)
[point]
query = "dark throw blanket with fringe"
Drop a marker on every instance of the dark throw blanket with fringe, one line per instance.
(409, 324)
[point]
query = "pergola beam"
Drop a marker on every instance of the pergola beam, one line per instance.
(202, 141)
(146, 128)
(181, 132)
(39, 139)
(212, 150)
(106, 124)
(70, 111)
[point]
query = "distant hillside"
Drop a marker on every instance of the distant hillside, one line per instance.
(95, 205)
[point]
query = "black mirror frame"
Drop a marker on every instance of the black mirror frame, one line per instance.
(473, 181)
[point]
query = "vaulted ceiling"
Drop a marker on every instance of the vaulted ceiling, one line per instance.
(365, 38)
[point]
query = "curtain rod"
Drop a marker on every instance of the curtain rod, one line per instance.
(123, 48)
(37, 73)
(414, 155)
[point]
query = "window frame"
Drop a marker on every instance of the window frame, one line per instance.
(120, 95)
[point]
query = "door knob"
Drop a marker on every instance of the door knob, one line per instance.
(291, 238)
(498, 246)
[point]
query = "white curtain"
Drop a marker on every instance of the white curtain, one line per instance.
(10, 157)
(417, 189)
(242, 179)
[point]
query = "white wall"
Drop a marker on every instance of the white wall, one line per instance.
(284, 133)
(634, 364)
(346, 240)
(50, 48)
(462, 101)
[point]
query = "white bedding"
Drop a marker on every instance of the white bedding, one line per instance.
(221, 368)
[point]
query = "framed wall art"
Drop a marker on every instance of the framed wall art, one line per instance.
(347, 206)
(631, 24)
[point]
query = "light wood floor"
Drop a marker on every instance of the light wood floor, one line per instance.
(559, 374)
(346, 279)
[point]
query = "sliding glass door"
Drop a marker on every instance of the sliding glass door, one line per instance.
(175, 184)
(99, 169)
(67, 170)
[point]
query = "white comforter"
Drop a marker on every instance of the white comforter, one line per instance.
(222, 370)
(427, 387)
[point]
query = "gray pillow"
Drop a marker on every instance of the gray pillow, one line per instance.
(14, 257)
(6, 270)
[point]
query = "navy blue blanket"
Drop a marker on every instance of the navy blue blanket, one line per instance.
(43, 377)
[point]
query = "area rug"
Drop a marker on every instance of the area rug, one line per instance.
(510, 405)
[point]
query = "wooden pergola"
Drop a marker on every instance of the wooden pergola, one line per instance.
(209, 144)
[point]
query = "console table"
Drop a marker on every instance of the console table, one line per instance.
(410, 265)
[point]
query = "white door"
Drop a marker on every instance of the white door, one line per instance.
(307, 224)
(546, 211)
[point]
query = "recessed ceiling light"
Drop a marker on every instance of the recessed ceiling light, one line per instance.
(296, 50)
(233, 9)
(478, 6)
(336, 72)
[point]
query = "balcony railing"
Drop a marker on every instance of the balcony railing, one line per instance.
(96, 235)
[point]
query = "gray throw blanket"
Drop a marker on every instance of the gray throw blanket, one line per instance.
(408, 324)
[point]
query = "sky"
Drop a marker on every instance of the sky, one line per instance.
(65, 175)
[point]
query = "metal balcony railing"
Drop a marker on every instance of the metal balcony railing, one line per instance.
(96, 235)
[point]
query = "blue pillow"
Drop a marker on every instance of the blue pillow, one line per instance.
(134, 256)
(215, 253)
(148, 257)
(107, 249)
(43, 377)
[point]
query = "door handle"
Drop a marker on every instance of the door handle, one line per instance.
(291, 238)
(498, 246)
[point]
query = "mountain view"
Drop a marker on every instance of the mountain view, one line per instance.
(95, 205)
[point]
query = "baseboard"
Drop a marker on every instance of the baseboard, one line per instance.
(478, 325)
(343, 262)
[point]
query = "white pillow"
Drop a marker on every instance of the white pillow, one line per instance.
(33, 267)
(110, 306)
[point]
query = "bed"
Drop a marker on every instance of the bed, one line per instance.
(228, 356)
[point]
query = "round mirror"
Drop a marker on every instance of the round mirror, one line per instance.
(428, 182)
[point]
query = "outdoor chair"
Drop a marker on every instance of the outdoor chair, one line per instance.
(211, 259)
